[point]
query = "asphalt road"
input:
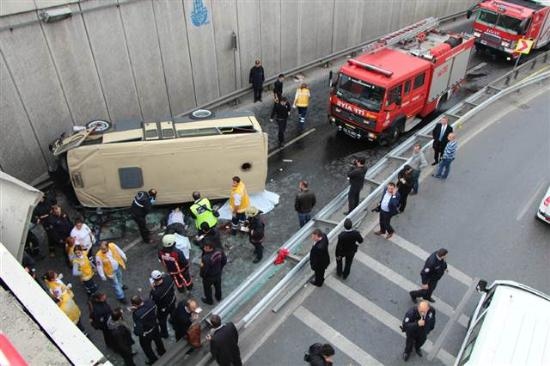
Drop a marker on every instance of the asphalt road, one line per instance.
(483, 214)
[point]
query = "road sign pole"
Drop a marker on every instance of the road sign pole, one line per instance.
(517, 61)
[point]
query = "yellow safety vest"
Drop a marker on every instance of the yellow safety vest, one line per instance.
(107, 266)
(202, 210)
(69, 307)
(85, 267)
(302, 97)
(240, 189)
(70, 252)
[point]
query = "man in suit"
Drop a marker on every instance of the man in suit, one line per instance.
(389, 204)
(419, 321)
(224, 343)
(440, 135)
(319, 258)
(346, 248)
(434, 268)
(356, 177)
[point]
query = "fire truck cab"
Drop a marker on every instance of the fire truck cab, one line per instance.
(405, 75)
(499, 25)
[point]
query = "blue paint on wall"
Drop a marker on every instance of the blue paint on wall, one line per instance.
(199, 15)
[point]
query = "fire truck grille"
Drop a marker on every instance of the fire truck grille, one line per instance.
(491, 38)
(353, 118)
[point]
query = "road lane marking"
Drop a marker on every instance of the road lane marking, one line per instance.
(531, 200)
(131, 245)
(335, 338)
(476, 67)
(407, 285)
(381, 315)
(422, 254)
(296, 139)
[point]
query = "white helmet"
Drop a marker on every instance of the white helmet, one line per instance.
(168, 240)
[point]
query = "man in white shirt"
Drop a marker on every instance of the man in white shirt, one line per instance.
(82, 234)
(388, 207)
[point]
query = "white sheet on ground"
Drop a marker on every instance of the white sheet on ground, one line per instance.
(264, 201)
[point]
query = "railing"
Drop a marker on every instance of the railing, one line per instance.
(376, 180)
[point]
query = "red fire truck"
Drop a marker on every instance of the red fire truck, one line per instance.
(500, 24)
(401, 77)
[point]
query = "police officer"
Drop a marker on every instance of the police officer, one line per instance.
(146, 327)
(212, 263)
(140, 208)
(201, 210)
(175, 263)
(162, 293)
(433, 270)
(419, 321)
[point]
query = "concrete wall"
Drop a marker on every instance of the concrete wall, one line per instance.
(153, 59)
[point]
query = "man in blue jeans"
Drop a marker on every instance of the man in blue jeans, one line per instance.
(448, 156)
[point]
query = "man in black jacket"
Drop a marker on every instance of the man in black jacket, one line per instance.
(346, 248)
(164, 296)
(122, 338)
(304, 202)
(209, 234)
(404, 185)
(440, 135)
(141, 205)
(356, 178)
(184, 315)
(224, 343)
(434, 268)
(281, 112)
(146, 327)
(319, 258)
(100, 312)
(212, 263)
(278, 88)
(256, 78)
(419, 321)
(320, 354)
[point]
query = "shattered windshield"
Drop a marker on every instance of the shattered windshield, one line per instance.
(503, 22)
(359, 92)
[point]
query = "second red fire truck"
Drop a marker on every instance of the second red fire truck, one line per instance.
(399, 79)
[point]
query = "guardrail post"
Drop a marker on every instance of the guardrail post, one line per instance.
(533, 64)
(545, 57)
(507, 82)
(516, 74)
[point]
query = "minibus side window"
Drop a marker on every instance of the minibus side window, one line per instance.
(472, 340)
(130, 178)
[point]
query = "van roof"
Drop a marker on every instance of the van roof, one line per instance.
(516, 329)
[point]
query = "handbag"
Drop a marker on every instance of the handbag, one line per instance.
(194, 335)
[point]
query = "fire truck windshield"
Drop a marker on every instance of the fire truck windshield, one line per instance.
(501, 21)
(359, 92)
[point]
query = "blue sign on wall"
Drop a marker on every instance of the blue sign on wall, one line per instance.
(199, 15)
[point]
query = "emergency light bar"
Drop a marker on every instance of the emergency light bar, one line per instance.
(369, 67)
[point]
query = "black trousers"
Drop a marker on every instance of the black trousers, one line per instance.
(142, 225)
(257, 92)
(146, 340)
(438, 151)
(353, 198)
(385, 226)
(127, 356)
(403, 201)
(258, 250)
(425, 294)
(207, 284)
(348, 258)
(415, 341)
(282, 128)
(319, 276)
(162, 316)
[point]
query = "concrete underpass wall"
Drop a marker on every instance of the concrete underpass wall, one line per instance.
(153, 59)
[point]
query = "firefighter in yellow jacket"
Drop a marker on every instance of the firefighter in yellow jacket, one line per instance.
(82, 267)
(238, 202)
(110, 260)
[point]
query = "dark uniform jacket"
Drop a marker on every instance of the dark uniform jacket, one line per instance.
(145, 318)
(318, 360)
(257, 228)
(410, 323)
(163, 294)
(212, 237)
(224, 346)
(256, 77)
(433, 269)
(304, 201)
(347, 242)
(213, 263)
(121, 338)
(318, 255)
(436, 133)
(404, 182)
(278, 88)
(393, 205)
(100, 312)
(60, 227)
(182, 319)
(357, 178)
(280, 111)
(142, 207)
(173, 259)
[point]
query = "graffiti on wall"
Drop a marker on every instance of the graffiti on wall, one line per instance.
(199, 15)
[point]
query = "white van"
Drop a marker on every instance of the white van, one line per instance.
(510, 326)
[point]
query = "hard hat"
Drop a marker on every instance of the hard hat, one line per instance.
(156, 275)
(168, 240)
(251, 211)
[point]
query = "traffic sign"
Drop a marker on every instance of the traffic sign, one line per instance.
(524, 46)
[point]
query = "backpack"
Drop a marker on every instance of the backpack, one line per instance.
(314, 349)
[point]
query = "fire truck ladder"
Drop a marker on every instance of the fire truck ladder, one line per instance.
(403, 34)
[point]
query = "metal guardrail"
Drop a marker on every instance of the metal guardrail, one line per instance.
(236, 94)
(457, 114)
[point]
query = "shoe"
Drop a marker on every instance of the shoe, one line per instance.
(406, 356)
(124, 287)
(338, 274)
(389, 236)
(378, 233)
(256, 260)
(419, 352)
(413, 298)
(434, 163)
(218, 300)
(203, 299)
(345, 212)
(123, 301)
(430, 299)
(312, 281)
